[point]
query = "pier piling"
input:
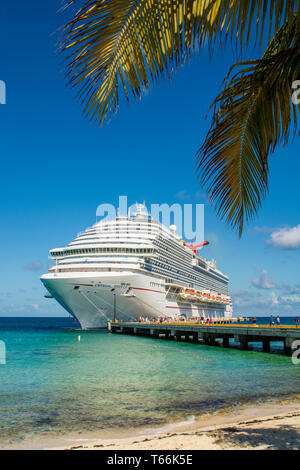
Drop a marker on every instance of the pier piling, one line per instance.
(243, 340)
(266, 345)
(208, 334)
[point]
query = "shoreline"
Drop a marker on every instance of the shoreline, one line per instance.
(267, 424)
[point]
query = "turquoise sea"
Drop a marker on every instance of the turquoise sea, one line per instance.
(53, 384)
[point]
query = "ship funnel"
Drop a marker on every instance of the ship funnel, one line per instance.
(194, 247)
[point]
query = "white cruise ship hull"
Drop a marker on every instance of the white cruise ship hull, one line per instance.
(94, 299)
(132, 267)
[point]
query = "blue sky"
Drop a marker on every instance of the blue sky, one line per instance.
(57, 168)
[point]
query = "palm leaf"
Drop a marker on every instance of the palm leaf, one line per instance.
(243, 19)
(252, 115)
(131, 43)
(127, 42)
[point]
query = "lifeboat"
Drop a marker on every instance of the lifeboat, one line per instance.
(205, 296)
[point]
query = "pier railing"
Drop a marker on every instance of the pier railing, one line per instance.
(210, 334)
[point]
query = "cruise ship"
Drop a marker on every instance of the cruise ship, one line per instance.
(133, 267)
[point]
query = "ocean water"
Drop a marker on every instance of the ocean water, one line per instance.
(52, 384)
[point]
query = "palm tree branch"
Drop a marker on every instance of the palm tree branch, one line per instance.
(245, 18)
(252, 115)
(131, 41)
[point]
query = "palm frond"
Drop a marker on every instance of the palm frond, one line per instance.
(252, 115)
(131, 43)
(246, 18)
(127, 42)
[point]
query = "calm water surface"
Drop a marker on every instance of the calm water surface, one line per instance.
(54, 384)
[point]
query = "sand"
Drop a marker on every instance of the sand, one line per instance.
(272, 424)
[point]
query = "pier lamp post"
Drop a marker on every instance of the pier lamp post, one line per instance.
(115, 305)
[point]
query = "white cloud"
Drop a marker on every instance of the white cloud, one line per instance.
(35, 266)
(35, 306)
(287, 238)
(201, 195)
(291, 299)
(15, 308)
(245, 294)
(274, 299)
(182, 195)
(261, 229)
(247, 301)
(291, 289)
(212, 238)
(263, 282)
(254, 303)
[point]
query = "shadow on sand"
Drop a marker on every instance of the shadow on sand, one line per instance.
(279, 438)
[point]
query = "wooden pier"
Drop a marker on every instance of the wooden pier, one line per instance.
(211, 334)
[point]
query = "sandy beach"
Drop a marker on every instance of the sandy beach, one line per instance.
(272, 424)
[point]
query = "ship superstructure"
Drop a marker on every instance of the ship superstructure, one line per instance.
(134, 267)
